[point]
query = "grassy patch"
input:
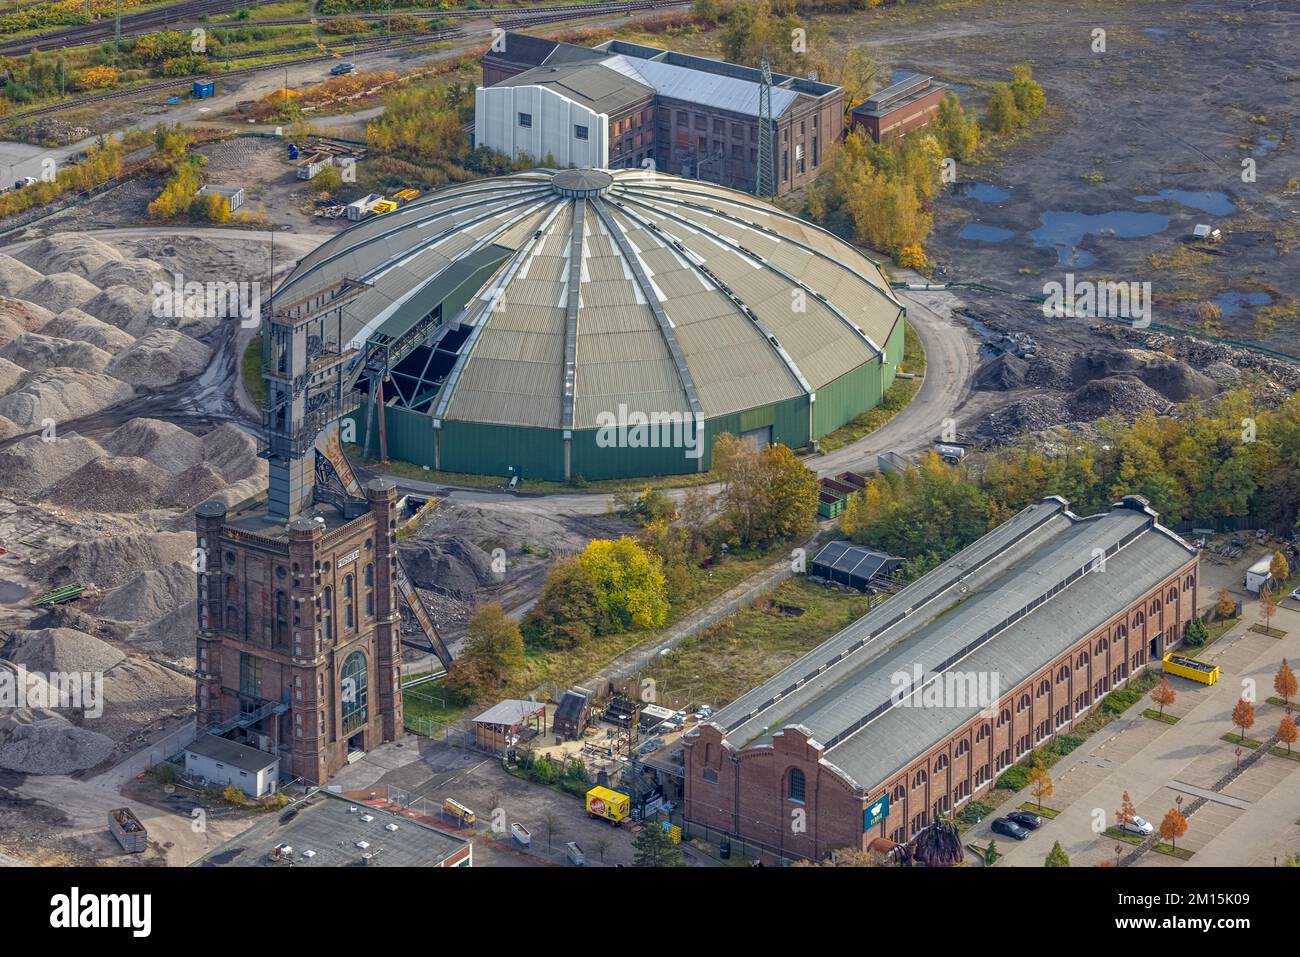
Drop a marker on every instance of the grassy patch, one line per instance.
(1116, 834)
(898, 397)
(1284, 753)
(1270, 632)
(1155, 715)
(1182, 853)
(1280, 702)
(1233, 738)
(428, 702)
(1217, 629)
(740, 652)
(250, 370)
(1047, 812)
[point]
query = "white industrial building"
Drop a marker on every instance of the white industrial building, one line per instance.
(541, 121)
(220, 762)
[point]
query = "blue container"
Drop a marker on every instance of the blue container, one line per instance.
(203, 90)
(293, 152)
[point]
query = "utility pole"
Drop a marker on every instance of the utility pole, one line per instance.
(765, 186)
(117, 26)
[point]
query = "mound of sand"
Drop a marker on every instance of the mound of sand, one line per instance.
(1001, 374)
(37, 352)
(31, 465)
(15, 276)
(61, 290)
(161, 358)
(10, 375)
(196, 484)
(122, 483)
(151, 595)
(171, 635)
(35, 741)
(1125, 394)
(22, 316)
(62, 395)
(167, 446)
(1172, 378)
(232, 452)
(109, 562)
(232, 495)
(7, 429)
(82, 326)
(74, 253)
(138, 692)
(59, 649)
(124, 307)
(454, 566)
(139, 274)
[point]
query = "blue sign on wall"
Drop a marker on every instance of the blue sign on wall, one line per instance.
(875, 812)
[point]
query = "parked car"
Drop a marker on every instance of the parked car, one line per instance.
(1295, 594)
(1027, 819)
(1008, 827)
(339, 69)
(1137, 826)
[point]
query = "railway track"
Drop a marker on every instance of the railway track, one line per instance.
(534, 17)
(189, 14)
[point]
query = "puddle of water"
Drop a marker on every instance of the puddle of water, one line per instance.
(1065, 230)
(1231, 303)
(985, 234)
(1160, 33)
(1207, 201)
(1266, 144)
(11, 592)
(982, 192)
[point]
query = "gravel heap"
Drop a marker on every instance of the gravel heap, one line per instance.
(167, 446)
(151, 595)
(124, 307)
(1030, 414)
(10, 375)
(161, 358)
(75, 324)
(1201, 353)
(455, 566)
(44, 742)
(1175, 380)
(138, 692)
(123, 483)
(37, 352)
(1125, 394)
(1001, 374)
(109, 562)
(15, 276)
(195, 485)
(59, 649)
(232, 452)
(75, 253)
(139, 274)
(62, 395)
(31, 465)
(22, 316)
(62, 290)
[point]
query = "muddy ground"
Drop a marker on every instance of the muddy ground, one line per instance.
(1184, 92)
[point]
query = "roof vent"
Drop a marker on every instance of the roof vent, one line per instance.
(581, 183)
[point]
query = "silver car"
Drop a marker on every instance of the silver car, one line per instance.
(1137, 826)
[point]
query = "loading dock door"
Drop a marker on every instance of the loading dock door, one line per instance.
(760, 438)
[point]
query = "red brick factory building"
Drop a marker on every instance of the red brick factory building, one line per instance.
(1057, 609)
(910, 103)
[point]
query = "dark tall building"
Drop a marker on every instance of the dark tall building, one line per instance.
(298, 647)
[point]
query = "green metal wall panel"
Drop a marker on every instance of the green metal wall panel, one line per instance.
(593, 461)
(894, 351)
(847, 397)
(492, 449)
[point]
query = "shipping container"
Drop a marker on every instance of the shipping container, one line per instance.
(128, 830)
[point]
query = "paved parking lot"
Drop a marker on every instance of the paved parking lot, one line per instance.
(1250, 822)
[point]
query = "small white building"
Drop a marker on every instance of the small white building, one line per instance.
(221, 762)
(361, 208)
(565, 118)
(1258, 574)
(233, 195)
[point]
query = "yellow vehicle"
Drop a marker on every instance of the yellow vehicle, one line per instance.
(406, 195)
(1191, 669)
(459, 812)
(384, 206)
(607, 804)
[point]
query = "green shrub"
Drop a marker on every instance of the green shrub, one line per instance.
(1014, 778)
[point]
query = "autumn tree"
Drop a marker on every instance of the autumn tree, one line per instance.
(1267, 607)
(1173, 827)
(1040, 782)
(1127, 813)
(566, 614)
(1284, 682)
(767, 495)
(1163, 694)
(1226, 605)
(1286, 731)
(1243, 716)
(629, 582)
(1057, 857)
(1278, 568)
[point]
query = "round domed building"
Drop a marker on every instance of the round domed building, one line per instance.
(602, 324)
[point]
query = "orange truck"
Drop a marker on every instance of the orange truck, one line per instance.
(607, 804)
